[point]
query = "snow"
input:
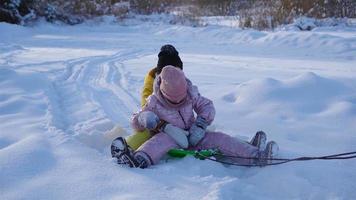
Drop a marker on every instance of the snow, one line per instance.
(67, 91)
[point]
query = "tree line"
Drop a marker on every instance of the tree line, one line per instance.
(250, 13)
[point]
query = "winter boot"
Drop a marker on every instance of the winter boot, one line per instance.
(143, 160)
(259, 140)
(270, 152)
(123, 153)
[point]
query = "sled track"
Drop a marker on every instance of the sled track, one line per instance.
(92, 94)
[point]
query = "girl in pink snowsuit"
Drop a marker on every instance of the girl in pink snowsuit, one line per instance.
(169, 113)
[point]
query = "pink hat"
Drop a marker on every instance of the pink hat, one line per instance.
(173, 84)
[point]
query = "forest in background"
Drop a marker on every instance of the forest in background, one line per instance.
(259, 14)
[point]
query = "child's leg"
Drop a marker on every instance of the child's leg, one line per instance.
(138, 138)
(156, 147)
(228, 145)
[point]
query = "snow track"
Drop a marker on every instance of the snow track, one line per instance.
(92, 95)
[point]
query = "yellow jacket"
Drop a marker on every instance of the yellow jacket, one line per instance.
(147, 89)
(139, 137)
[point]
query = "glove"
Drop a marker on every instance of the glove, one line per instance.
(148, 119)
(197, 131)
(178, 134)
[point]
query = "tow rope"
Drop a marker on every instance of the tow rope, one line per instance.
(216, 156)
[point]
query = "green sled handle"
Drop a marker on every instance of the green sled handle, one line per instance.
(201, 154)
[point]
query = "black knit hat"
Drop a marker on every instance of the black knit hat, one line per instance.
(169, 48)
(168, 56)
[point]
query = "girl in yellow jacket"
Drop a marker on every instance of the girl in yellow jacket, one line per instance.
(168, 55)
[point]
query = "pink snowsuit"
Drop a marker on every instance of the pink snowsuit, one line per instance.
(183, 117)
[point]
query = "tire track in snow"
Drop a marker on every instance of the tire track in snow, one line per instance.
(92, 95)
(106, 86)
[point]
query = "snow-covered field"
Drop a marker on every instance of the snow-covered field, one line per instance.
(63, 88)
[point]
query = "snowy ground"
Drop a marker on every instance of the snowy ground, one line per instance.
(63, 88)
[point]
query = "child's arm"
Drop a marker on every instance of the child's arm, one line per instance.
(147, 87)
(203, 106)
(134, 119)
(206, 112)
